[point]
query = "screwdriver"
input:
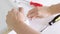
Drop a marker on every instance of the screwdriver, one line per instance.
(57, 18)
(33, 3)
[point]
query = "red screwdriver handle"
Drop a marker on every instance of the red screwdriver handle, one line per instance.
(35, 4)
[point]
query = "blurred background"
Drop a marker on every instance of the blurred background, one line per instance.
(5, 6)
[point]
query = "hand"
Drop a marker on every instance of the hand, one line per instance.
(15, 20)
(38, 12)
(14, 16)
(33, 13)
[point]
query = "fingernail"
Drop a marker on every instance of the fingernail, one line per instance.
(20, 8)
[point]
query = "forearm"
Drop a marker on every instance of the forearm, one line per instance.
(22, 28)
(54, 9)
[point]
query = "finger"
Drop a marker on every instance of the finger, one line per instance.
(35, 16)
(32, 11)
(21, 9)
(35, 13)
(9, 12)
(39, 17)
(14, 12)
(32, 15)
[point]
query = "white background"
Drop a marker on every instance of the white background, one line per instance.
(5, 6)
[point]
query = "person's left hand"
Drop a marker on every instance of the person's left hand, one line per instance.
(33, 13)
(38, 12)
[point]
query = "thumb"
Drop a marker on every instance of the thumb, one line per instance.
(21, 9)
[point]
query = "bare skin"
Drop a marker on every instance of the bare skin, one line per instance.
(38, 12)
(54, 9)
(45, 11)
(15, 20)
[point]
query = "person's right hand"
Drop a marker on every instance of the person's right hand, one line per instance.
(14, 16)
